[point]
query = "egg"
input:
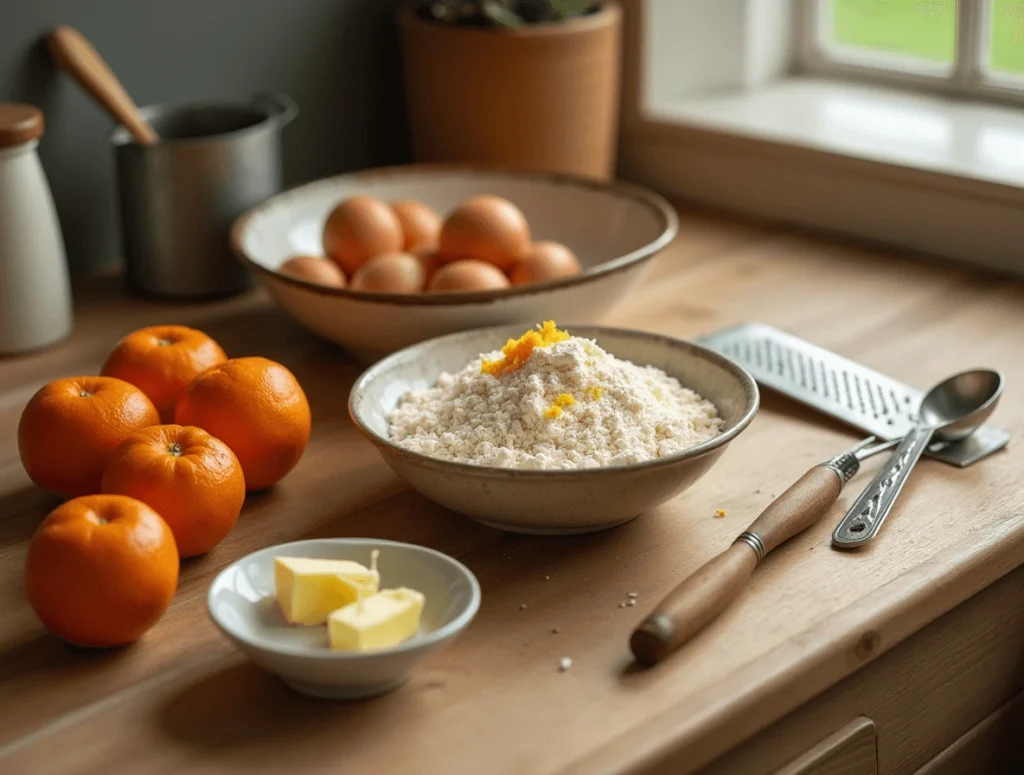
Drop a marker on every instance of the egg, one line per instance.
(359, 229)
(420, 225)
(467, 274)
(314, 269)
(431, 260)
(391, 273)
(545, 261)
(487, 228)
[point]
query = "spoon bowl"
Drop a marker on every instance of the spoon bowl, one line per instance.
(959, 405)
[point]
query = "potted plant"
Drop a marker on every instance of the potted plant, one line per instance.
(523, 84)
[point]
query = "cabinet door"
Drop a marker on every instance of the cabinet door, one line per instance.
(991, 747)
(851, 750)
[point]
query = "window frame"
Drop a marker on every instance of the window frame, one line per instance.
(718, 137)
(969, 77)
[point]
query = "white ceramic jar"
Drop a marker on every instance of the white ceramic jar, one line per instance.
(35, 291)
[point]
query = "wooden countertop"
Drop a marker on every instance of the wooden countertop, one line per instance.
(183, 699)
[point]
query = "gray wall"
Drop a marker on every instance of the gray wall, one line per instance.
(338, 59)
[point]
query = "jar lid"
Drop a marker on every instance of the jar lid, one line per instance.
(19, 123)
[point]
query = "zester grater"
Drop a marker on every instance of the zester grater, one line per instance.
(841, 388)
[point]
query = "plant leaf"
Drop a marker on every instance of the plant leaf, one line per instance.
(499, 13)
(444, 10)
(567, 9)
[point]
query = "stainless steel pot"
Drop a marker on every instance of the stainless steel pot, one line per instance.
(178, 198)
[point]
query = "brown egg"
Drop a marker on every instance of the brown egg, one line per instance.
(545, 261)
(431, 261)
(391, 273)
(487, 228)
(467, 274)
(420, 225)
(314, 269)
(359, 229)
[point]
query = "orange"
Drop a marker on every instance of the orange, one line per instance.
(192, 480)
(257, 408)
(161, 360)
(71, 427)
(101, 570)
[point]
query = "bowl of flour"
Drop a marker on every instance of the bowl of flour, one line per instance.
(553, 430)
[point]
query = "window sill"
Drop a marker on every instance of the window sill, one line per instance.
(923, 172)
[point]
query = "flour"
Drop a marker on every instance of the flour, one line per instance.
(569, 405)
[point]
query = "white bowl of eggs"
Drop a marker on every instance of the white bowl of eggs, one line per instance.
(381, 259)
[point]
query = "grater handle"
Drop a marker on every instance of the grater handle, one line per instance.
(704, 595)
(865, 517)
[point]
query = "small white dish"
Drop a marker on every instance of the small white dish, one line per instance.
(241, 604)
(614, 228)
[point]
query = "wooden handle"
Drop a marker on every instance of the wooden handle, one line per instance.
(799, 507)
(703, 596)
(693, 604)
(76, 55)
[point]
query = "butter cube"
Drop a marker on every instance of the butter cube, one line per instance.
(376, 622)
(309, 588)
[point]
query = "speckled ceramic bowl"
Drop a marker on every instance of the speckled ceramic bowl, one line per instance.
(545, 501)
(614, 229)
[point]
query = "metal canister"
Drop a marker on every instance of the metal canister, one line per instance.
(178, 198)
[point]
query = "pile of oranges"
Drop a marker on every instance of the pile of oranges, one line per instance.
(405, 247)
(156, 455)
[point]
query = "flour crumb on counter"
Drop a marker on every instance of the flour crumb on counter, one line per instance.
(549, 400)
(564, 664)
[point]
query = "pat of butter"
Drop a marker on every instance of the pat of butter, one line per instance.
(309, 588)
(376, 622)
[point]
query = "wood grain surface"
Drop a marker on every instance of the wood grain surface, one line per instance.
(992, 746)
(851, 750)
(183, 699)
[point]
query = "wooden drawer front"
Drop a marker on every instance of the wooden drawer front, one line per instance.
(990, 748)
(853, 750)
(922, 695)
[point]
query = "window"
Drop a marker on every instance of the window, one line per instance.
(969, 47)
(898, 121)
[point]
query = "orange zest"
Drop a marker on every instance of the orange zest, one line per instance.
(561, 401)
(517, 352)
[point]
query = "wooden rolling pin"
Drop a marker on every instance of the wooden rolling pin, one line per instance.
(703, 596)
(78, 58)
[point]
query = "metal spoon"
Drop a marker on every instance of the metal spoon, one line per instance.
(707, 592)
(950, 411)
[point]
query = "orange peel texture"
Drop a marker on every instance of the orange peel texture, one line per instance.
(517, 352)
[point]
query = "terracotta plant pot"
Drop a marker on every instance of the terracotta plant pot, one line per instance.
(542, 97)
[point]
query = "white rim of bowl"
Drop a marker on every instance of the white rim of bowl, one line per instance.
(427, 639)
(747, 382)
(654, 202)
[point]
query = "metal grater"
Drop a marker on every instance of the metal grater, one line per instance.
(837, 386)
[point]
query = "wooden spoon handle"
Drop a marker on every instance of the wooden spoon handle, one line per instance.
(77, 56)
(703, 596)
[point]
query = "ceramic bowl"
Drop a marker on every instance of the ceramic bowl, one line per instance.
(241, 604)
(614, 229)
(553, 501)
